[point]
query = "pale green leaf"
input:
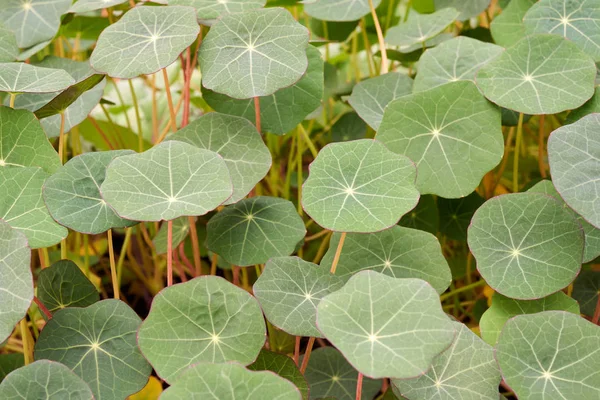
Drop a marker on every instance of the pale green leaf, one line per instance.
(206, 319)
(254, 53)
(171, 180)
(144, 40)
(82, 6)
(452, 133)
(8, 45)
(359, 186)
(211, 9)
(181, 228)
(339, 10)
(420, 27)
(254, 230)
(33, 50)
(384, 326)
(508, 28)
(416, 49)
(283, 366)
(24, 78)
(540, 74)
(527, 245)
(98, 343)
(289, 290)
(467, 8)
(586, 290)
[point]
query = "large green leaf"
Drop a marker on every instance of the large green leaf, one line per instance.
(254, 230)
(586, 290)
(72, 194)
(33, 21)
(82, 6)
(399, 252)
(386, 327)
(467, 8)
(237, 141)
(98, 343)
(504, 308)
(452, 133)
(281, 111)
(210, 9)
(204, 320)
(170, 180)
(574, 154)
(420, 27)
(540, 74)
(283, 366)
(23, 142)
(508, 28)
(8, 45)
(289, 290)
(44, 380)
(16, 280)
(24, 78)
(527, 245)
(370, 97)
(144, 40)
(339, 10)
(359, 186)
(23, 208)
(550, 355)
(466, 371)
(457, 59)
(330, 376)
(232, 382)
(63, 285)
(254, 53)
(576, 20)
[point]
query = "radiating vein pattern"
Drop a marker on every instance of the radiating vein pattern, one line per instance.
(339, 10)
(24, 78)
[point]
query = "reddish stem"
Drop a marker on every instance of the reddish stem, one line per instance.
(170, 253)
(359, 386)
(186, 261)
(596, 317)
(42, 307)
(257, 113)
(236, 275)
(187, 76)
(179, 266)
(307, 352)
(297, 350)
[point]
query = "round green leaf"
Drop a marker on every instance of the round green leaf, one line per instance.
(466, 371)
(370, 97)
(284, 109)
(98, 343)
(283, 366)
(386, 327)
(398, 252)
(63, 285)
(23, 142)
(44, 380)
(586, 290)
(359, 186)
(254, 53)
(467, 8)
(237, 141)
(170, 180)
(452, 133)
(289, 290)
(254, 230)
(508, 28)
(573, 155)
(457, 59)
(8, 45)
(330, 376)
(82, 6)
(211, 9)
(424, 216)
(576, 20)
(420, 27)
(24, 78)
(144, 40)
(527, 245)
(540, 74)
(206, 319)
(10, 362)
(504, 308)
(72, 194)
(550, 355)
(181, 228)
(23, 208)
(230, 381)
(455, 215)
(16, 280)
(33, 21)
(339, 10)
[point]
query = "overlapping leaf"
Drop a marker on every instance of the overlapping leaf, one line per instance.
(24, 78)
(82, 6)
(586, 290)
(591, 106)
(455, 215)
(424, 216)
(181, 228)
(420, 27)
(348, 127)
(467, 8)
(8, 45)
(508, 28)
(210, 9)
(339, 10)
(10, 362)
(283, 366)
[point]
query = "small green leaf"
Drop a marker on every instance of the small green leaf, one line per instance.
(254, 53)
(8, 45)
(24, 78)
(359, 186)
(10, 362)
(456, 215)
(237, 141)
(339, 10)
(540, 74)
(289, 290)
(16, 283)
(467, 8)
(386, 327)
(370, 97)
(420, 27)
(62, 102)
(144, 40)
(232, 382)
(72, 194)
(210, 9)
(508, 28)
(398, 252)
(466, 371)
(527, 245)
(591, 106)
(254, 230)
(550, 355)
(452, 133)
(63, 285)
(170, 180)
(424, 216)
(204, 320)
(82, 6)
(181, 228)
(44, 380)
(349, 127)
(98, 343)
(586, 290)
(283, 366)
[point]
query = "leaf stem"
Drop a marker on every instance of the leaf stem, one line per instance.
(42, 307)
(338, 252)
(384, 59)
(516, 154)
(61, 138)
(113, 268)
(170, 100)
(465, 288)
(309, 143)
(541, 136)
(297, 350)
(128, 233)
(195, 246)
(257, 113)
(359, 382)
(13, 96)
(25, 339)
(307, 351)
(138, 119)
(169, 252)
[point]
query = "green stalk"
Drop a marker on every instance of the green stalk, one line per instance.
(516, 154)
(138, 119)
(462, 289)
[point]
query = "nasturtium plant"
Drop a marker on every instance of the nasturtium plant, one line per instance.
(283, 366)
(508, 27)
(340, 10)
(420, 27)
(24, 78)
